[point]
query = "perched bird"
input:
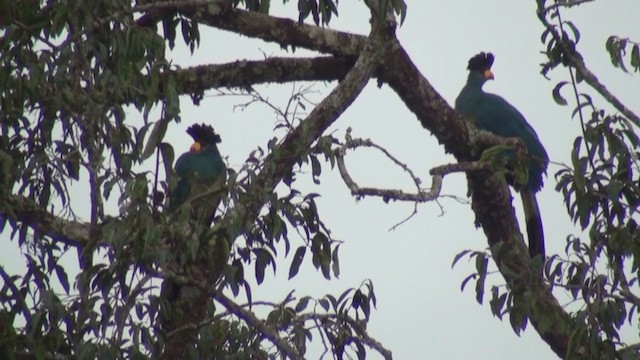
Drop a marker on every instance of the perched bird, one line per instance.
(201, 173)
(492, 113)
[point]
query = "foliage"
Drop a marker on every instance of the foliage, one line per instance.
(601, 187)
(70, 69)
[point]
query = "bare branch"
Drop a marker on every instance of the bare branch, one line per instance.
(395, 194)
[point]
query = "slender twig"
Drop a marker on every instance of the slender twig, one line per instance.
(258, 324)
(566, 4)
(589, 77)
(198, 325)
(362, 333)
(36, 35)
(438, 174)
(246, 315)
(574, 85)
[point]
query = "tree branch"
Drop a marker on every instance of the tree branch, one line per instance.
(590, 78)
(566, 4)
(258, 324)
(284, 156)
(271, 70)
(491, 198)
(362, 333)
(284, 32)
(491, 204)
(18, 208)
(246, 315)
(396, 194)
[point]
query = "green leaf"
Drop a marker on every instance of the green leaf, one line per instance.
(481, 267)
(400, 8)
(304, 9)
(166, 150)
(620, 54)
(458, 257)
(140, 136)
(610, 45)
(297, 260)
(302, 304)
(62, 276)
(264, 6)
(72, 164)
(324, 303)
(156, 136)
(557, 97)
(263, 259)
(316, 169)
(635, 57)
(574, 29)
(466, 280)
(518, 319)
(497, 302)
(335, 262)
(172, 102)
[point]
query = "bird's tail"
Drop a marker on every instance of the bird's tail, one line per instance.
(534, 223)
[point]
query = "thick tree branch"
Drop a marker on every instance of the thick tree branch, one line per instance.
(286, 32)
(283, 157)
(272, 70)
(491, 203)
(280, 162)
(21, 209)
(491, 198)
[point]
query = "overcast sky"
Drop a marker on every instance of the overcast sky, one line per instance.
(421, 311)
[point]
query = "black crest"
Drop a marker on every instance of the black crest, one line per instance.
(204, 134)
(481, 62)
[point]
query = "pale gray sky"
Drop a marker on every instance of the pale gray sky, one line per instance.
(421, 311)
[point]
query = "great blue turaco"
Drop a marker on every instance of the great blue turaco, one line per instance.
(492, 113)
(201, 172)
(201, 175)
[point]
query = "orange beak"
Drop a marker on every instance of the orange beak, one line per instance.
(488, 74)
(195, 147)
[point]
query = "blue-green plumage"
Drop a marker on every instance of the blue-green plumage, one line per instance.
(492, 113)
(201, 173)
(205, 166)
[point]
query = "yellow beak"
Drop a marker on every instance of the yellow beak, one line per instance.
(488, 74)
(196, 147)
